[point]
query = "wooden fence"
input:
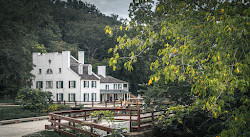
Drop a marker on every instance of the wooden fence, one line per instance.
(72, 118)
(93, 103)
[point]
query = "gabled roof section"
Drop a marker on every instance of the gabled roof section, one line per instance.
(74, 66)
(110, 79)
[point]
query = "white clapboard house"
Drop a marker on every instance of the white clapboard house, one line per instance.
(69, 79)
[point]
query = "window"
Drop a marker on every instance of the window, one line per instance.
(86, 97)
(39, 84)
(40, 71)
(59, 97)
(86, 84)
(125, 85)
(107, 87)
(59, 84)
(49, 71)
(72, 97)
(115, 86)
(60, 70)
(49, 84)
(119, 86)
(93, 84)
(72, 84)
(93, 96)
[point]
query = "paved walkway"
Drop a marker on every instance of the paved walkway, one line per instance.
(20, 129)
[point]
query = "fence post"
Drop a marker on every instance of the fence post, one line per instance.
(92, 103)
(152, 116)
(75, 103)
(138, 121)
(59, 122)
(130, 121)
(105, 103)
(69, 116)
(85, 115)
(114, 102)
(64, 102)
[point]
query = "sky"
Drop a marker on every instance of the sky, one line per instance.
(107, 7)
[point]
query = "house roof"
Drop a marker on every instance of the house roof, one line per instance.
(74, 66)
(110, 79)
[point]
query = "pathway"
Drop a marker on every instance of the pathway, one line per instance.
(20, 129)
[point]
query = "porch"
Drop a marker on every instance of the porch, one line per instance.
(111, 95)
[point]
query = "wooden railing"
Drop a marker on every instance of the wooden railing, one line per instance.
(93, 103)
(70, 121)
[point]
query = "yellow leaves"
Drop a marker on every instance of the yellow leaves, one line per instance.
(235, 119)
(120, 27)
(195, 77)
(237, 70)
(126, 28)
(230, 29)
(222, 11)
(213, 18)
(228, 56)
(247, 23)
(149, 82)
(220, 17)
(175, 51)
(225, 75)
(156, 79)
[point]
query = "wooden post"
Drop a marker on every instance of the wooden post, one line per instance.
(105, 103)
(64, 102)
(138, 121)
(152, 116)
(130, 120)
(92, 103)
(69, 116)
(75, 103)
(59, 122)
(114, 102)
(85, 115)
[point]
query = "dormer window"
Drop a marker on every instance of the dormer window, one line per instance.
(49, 61)
(49, 71)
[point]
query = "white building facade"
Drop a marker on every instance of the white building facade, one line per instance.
(69, 79)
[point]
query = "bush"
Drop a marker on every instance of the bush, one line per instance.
(33, 99)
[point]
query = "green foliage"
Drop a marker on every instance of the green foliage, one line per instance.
(33, 99)
(7, 113)
(199, 43)
(106, 115)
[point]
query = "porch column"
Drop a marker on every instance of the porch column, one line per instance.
(124, 97)
(127, 96)
(106, 97)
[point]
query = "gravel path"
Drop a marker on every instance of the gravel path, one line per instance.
(20, 129)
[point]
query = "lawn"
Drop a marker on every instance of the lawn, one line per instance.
(15, 112)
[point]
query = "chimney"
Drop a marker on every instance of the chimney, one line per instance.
(81, 57)
(102, 70)
(66, 57)
(89, 69)
(80, 68)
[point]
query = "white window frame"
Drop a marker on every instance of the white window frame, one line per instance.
(72, 84)
(39, 84)
(93, 84)
(59, 84)
(86, 84)
(72, 97)
(49, 84)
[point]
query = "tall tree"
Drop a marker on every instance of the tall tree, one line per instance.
(203, 43)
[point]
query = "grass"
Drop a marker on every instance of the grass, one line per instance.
(15, 112)
(45, 133)
(7, 100)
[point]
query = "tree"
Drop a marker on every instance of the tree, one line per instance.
(202, 43)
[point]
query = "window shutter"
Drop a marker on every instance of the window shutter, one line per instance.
(69, 84)
(84, 84)
(62, 97)
(56, 84)
(57, 97)
(74, 97)
(69, 97)
(92, 84)
(74, 84)
(88, 84)
(61, 84)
